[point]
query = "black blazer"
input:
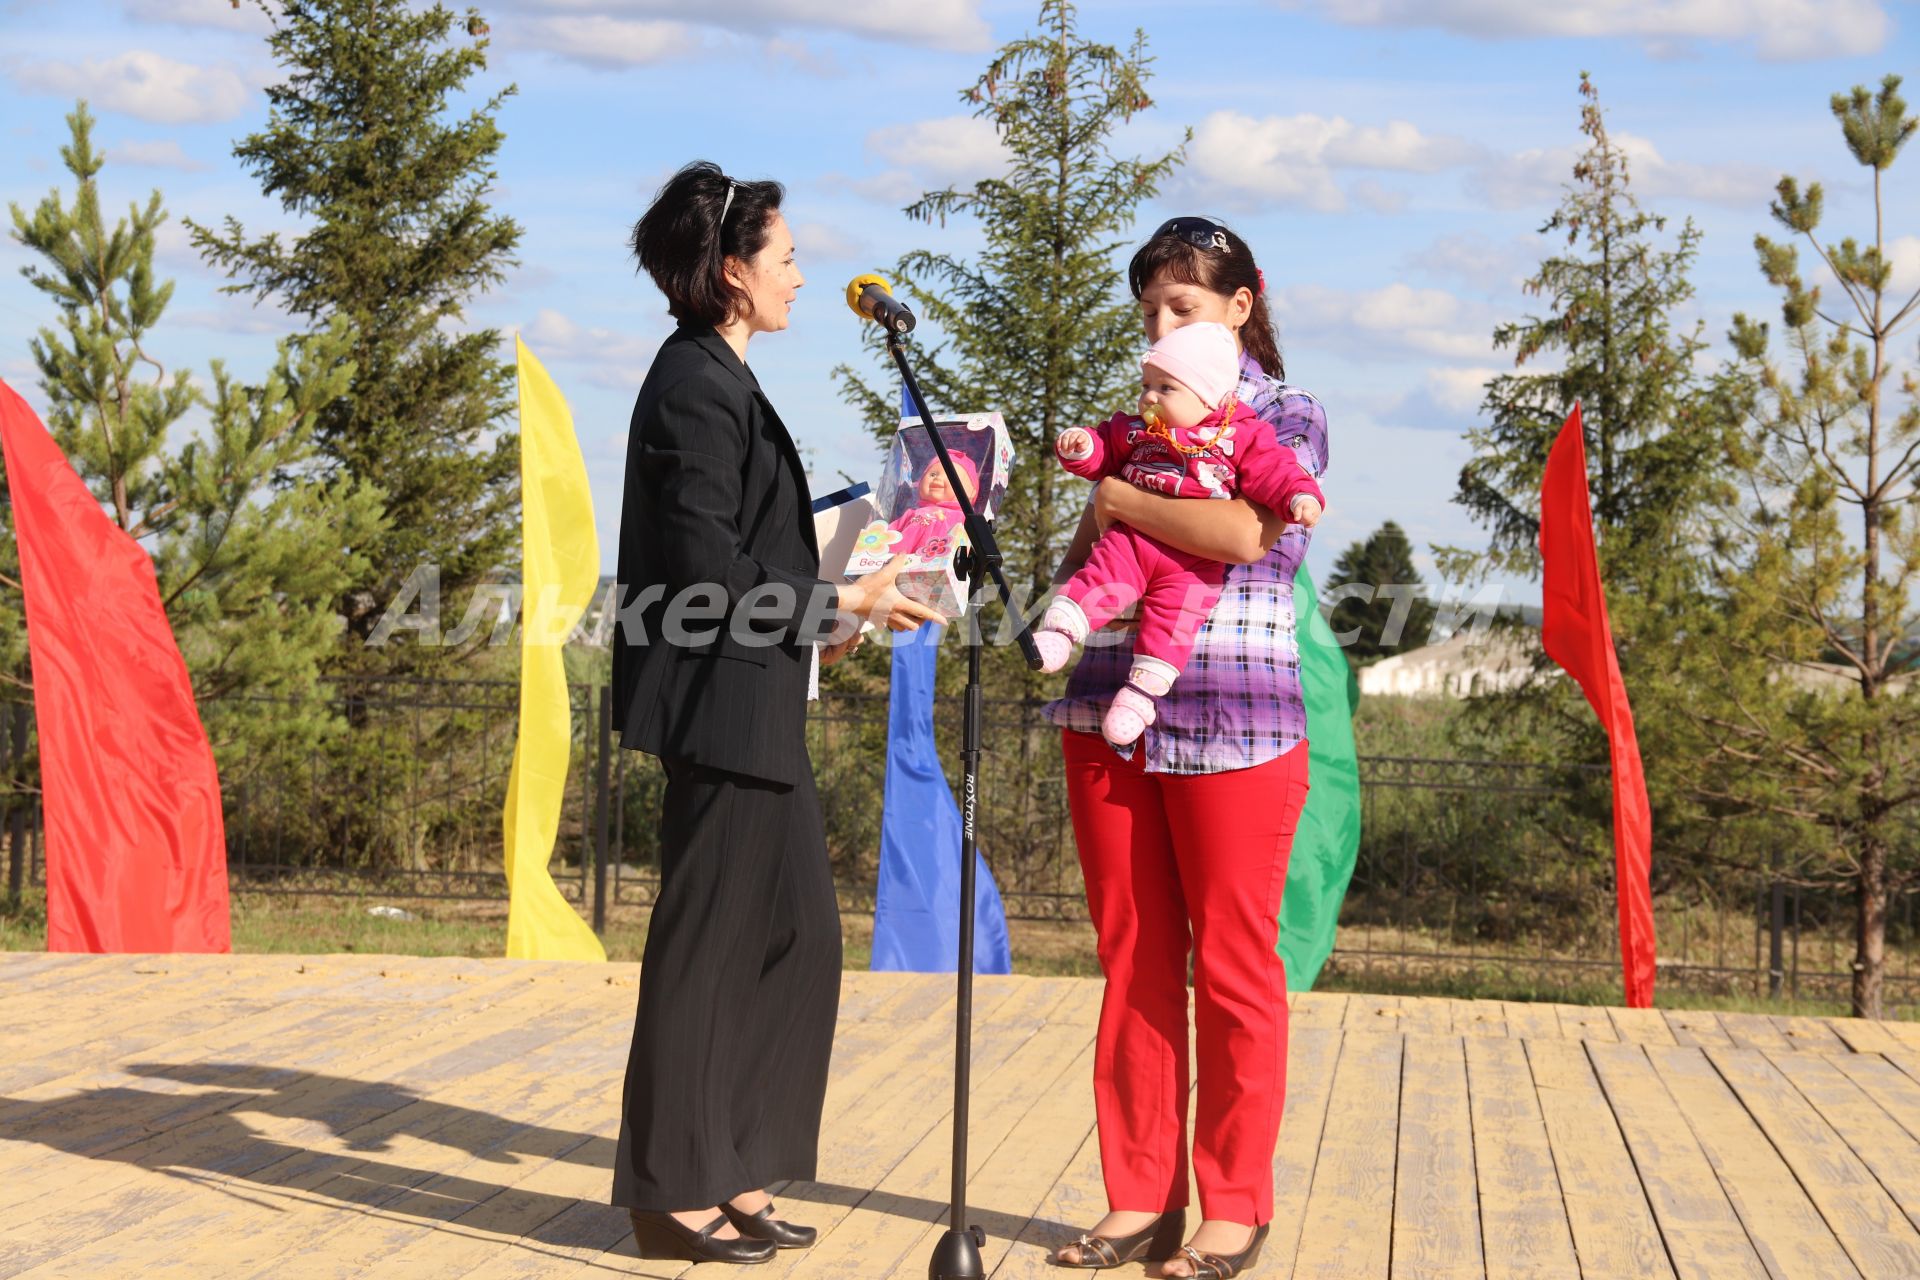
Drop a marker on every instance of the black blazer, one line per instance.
(716, 499)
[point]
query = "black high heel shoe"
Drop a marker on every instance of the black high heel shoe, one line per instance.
(764, 1226)
(661, 1235)
(1155, 1242)
(1216, 1266)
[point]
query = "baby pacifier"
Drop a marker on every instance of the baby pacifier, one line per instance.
(1151, 416)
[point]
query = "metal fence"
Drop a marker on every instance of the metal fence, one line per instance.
(1482, 872)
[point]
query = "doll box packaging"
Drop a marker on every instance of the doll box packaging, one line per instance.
(916, 514)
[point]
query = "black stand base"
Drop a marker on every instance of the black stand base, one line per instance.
(957, 1256)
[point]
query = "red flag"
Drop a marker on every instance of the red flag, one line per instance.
(1577, 635)
(136, 849)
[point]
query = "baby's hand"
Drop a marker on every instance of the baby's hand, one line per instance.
(1074, 444)
(1306, 511)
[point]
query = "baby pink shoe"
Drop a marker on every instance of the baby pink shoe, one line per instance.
(1055, 648)
(1132, 711)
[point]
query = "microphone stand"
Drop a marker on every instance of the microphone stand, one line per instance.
(957, 1256)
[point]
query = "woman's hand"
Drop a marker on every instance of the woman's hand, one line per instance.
(1108, 496)
(875, 598)
(832, 653)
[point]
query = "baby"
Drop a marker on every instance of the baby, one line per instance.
(1192, 439)
(927, 526)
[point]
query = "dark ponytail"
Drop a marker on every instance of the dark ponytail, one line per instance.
(689, 231)
(1222, 271)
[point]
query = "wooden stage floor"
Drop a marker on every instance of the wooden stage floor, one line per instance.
(343, 1116)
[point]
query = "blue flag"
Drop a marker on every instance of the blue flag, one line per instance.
(916, 912)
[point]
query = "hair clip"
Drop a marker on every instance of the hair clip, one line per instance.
(1263, 278)
(729, 204)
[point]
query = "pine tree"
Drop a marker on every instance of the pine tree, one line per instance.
(362, 143)
(1821, 554)
(1040, 325)
(251, 542)
(1378, 597)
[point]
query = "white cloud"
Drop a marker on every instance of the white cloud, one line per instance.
(162, 154)
(1779, 30)
(1292, 159)
(1459, 390)
(1904, 253)
(1541, 175)
(244, 17)
(144, 84)
(822, 242)
(1473, 259)
(953, 149)
(233, 314)
(1397, 318)
(607, 358)
(601, 40)
(942, 24)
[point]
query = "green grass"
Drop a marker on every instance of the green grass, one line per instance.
(314, 924)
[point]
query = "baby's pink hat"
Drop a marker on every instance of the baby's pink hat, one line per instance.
(1204, 356)
(962, 463)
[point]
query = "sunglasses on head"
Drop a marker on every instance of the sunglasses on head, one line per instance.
(1202, 233)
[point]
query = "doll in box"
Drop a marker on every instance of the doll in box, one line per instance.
(926, 527)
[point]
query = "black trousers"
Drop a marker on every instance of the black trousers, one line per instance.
(739, 992)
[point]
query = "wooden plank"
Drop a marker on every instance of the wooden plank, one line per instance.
(1906, 1033)
(1478, 1018)
(441, 1156)
(1373, 1013)
(1346, 1233)
(1697, 1027)
(1613, 1225)
(1888, 1150)
(1862, 1035)
(1868, 1224)
(1436, 1209)
(1077, 1200)
(1523, 1219)
(1025, 1115)
(1317, 1008)
(1811, 1035)
(1753, 1031)
(1425, 1016)
(1641, 1026)
(297, 1140)
(1585, 1022)
(1529, 1021)
(1697, 1222)
(1893, 1090)
(1312, 1053)
(1786, 1230)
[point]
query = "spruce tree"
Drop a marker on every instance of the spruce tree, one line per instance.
(251, 541)
(1657, 468)
(1378, 597)
(1040, 325)
(1611, 294)
(391, 183)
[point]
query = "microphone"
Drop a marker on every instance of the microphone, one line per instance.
(872, 299)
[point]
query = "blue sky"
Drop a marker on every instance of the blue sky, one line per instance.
(1390, 161)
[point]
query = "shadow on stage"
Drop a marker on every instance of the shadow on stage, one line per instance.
(194, 1126)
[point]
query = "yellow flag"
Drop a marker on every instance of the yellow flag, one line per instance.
(561, 568)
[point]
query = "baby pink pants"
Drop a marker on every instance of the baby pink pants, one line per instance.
(1176, 591)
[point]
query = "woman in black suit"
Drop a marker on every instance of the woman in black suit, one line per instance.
(722, 616)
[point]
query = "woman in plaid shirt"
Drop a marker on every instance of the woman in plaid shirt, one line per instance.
(1184, 836)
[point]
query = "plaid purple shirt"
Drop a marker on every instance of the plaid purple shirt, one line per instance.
(1238, 703)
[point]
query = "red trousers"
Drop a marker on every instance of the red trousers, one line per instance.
(1174, 861)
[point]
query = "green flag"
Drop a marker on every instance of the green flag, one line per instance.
(1328, 838)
